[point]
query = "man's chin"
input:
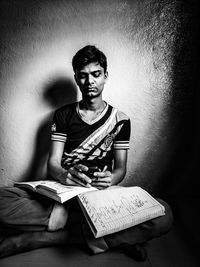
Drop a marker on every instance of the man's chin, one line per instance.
(91, 95)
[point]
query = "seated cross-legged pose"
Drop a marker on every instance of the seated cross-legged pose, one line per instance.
(89, 133)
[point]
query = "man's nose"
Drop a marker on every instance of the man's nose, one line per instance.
(90, 79)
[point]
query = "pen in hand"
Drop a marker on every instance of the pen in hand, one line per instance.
(87, 184)
(105, 168)
(96, 175)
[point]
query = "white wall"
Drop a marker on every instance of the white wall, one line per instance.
(39, 39)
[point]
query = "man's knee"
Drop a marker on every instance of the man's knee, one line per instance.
(8, 204)
(158, 226)
(164, 223)
(168, 214)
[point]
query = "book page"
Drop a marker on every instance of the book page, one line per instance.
(59, 188)
(65, 193)
(113, 210)
(55, 187)
(31, 185)
(54, 190)
(50, 185)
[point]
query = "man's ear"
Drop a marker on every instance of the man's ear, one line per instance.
(106, 75)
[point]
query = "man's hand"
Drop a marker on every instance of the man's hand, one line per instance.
(76, 176)
(102, 180)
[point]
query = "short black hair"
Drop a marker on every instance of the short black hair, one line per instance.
(89, 54)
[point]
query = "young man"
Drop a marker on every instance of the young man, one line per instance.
(89, 147)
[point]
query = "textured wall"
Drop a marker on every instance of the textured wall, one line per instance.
(143, 41)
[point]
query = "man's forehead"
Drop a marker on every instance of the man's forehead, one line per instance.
(91, 67)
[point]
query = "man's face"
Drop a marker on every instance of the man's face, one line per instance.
(91, 80)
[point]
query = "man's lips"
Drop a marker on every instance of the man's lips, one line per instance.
(90, 89)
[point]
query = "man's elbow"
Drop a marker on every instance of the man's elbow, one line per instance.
(124, 170)
(121, 175)
(51, 166)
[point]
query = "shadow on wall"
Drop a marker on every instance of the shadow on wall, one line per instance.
(57, 94)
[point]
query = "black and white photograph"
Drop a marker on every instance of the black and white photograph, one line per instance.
(99, 139)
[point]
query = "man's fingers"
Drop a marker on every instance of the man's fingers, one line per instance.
(70, 182)
(101, 185)
(106, 182)
(75, 181)
(103, 180)
(81, 168)
(79, 175)
(102, 174)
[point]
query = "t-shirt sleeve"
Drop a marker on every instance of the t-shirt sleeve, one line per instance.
(123, 137)
(58, 128)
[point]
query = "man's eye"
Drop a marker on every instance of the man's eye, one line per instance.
(81, 76)
(96, 74)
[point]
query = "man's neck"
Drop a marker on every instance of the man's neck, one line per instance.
(92, 104)
(90, 111)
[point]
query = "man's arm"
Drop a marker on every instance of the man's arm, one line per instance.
(55, 169)
(106, 178)
(120, 165)
(72, 176)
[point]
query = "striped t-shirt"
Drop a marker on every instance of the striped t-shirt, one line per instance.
(90, 144)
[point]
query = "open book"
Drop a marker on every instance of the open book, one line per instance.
(106, 211)
(54, 190)
(112, 210)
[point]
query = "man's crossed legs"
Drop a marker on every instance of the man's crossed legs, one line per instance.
(29, 221)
